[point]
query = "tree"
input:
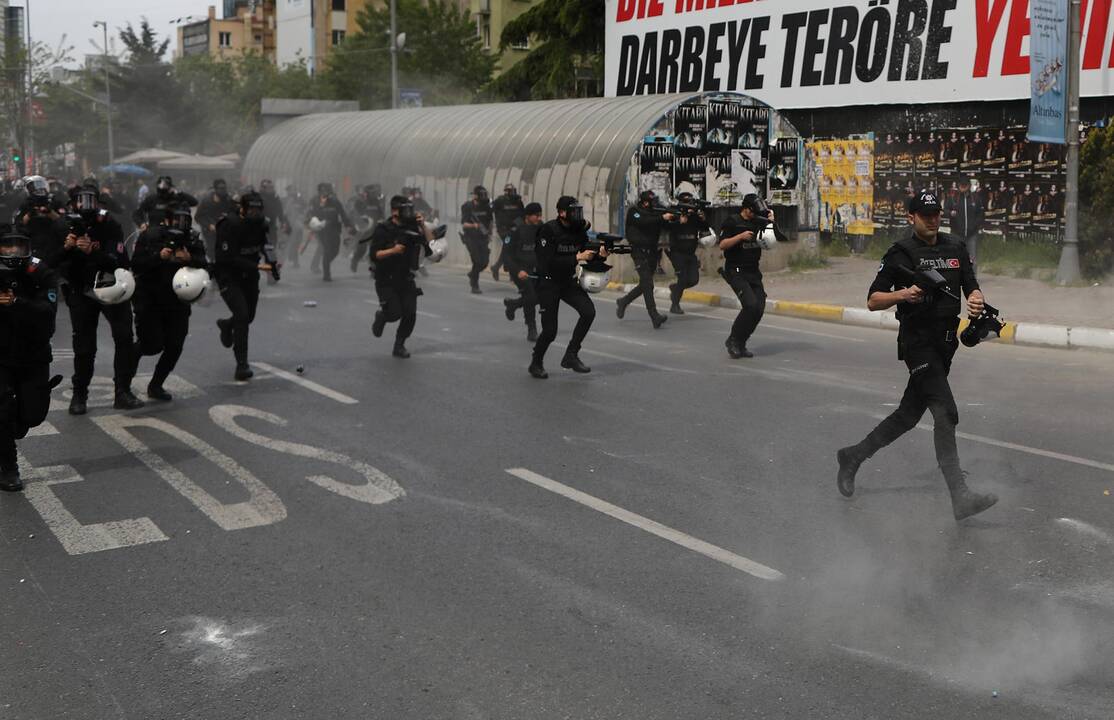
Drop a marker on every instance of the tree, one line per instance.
(443, 56)
(567, 59)
(23, 76)
(1096, 202)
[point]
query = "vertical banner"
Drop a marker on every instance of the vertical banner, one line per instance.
(1048, 50)
(784, 171)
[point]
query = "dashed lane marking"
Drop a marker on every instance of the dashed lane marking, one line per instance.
(653, 527)
(308, 384)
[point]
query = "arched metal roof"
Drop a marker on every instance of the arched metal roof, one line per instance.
(580, 147)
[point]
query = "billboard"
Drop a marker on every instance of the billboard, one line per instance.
(825, 53)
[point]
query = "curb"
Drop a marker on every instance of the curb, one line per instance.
(1030, 334)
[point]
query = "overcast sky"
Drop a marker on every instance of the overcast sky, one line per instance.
(51, 19)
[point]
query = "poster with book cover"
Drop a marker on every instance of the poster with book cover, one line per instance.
(690, 175)
(721, 188)
(784, 171)
(656, 168)
(690, 127)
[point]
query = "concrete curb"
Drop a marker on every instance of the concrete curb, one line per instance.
(1031, 334)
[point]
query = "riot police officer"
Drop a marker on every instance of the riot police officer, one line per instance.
(295, 207)
(242, 252)
(742, 253)
(643, 228)
(162, 321)
(927, 342)
(521, 263)
(94, 250)
(477, 220)
(216, 204)
(28, 305)
(326, 218)
(397, 245)
(562, 244)
(38, 219)
(159, 205)
(508, 210)
(367, 207)
(684, 239)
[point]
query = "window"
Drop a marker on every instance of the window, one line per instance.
(338, 5)
(523, 44)
(485, 33)
(338, 37)
(224, 39)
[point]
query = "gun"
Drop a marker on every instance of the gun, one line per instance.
(613, 244)
(76, 225)
(980, 327)
(929, 281)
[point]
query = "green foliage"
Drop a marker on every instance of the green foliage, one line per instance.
(442, 57)
(1096, 203)
(803, 260)
(568, 41)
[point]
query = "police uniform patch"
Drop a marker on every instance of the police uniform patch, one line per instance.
(52, 296)
(543, 242)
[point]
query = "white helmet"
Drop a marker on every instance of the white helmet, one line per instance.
(440, 248)
(191, 283)
(767, 238)
(594, 280)
(708, 239)
(317, 224)
(114, 288)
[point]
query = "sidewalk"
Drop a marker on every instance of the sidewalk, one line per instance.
(1036, 312)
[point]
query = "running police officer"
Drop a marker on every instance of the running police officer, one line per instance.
(477, 220)
(508, 210)
(94, 250)
(28, 305)
(162, 321)
(563, 244)
(684, 239)
(927, 342)
(242, 252)
(159, 205)
(326, 218)
(521, 263)
(742, 252)
(397, 245)
(643, 228)
(216, 204)
(367, 207)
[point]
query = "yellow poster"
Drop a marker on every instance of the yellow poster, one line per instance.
(846, 169)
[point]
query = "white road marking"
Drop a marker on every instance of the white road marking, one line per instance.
(42, 430)
(1086, 529)
(654, 528)
(633, 361)
(102, 392)
(621, 339)
(378, 489)
(423, 313)
(262, 508)
(77, 538)
(308, 384)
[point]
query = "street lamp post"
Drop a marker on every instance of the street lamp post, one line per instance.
(29, 149)
(108, 98)
(1068, 270)
(394, 55)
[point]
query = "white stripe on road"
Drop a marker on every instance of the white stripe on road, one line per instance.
(308, 384)
(42, 430)
(632, 361)
(654, 528)
(423, 313)
(621, 339)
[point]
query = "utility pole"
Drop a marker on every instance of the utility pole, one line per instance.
(1068, 271)
(29, 145)
(108, 98)
(394, 55)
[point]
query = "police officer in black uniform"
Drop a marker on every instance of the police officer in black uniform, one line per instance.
(563, 244)
(216, 204)
(38, 219)
(162, 321)
(242, 252)
(519, 252)
(160, 204)
(28, 305)
(508, 210)
(684, 239)
(95, 245)
(742, 254)
(927, 342)
(367, 207)
(643, 227)
(477, 219)
(397, 245)
(330, 211)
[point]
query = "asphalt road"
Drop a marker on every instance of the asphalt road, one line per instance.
(446, 537)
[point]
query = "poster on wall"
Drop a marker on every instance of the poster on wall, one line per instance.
(846, 170)
(999, 201)
(1048, 159)
(656, 168)
(948, 148)
(690, 175)
(884, 157)
(971, 157)
(748, 172)
(1024, 201)
(905, 148)
(784, 172)
(754, 129)
(721, 188)
(1019, 162)
(926, 151)
(723, 128)
(998, 147)
(690, 126)
(1049, 207)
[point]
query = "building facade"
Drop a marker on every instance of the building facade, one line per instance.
(491, 17)
(251, 28)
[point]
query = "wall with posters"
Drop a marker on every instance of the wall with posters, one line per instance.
(845, 172)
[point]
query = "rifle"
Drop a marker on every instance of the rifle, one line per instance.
(613, 244)
(978, 328)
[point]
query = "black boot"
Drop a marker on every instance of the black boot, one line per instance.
(966, 502)
(531, 333)
(572, 362)
(243, 372)
(537, 370)
(675, 308)
(155, 391)
(659, 320)
(400, 351)
(225, 326)
(10, 481)
(508, 308)
(78, 402)
(849, 464)
(495, 274)
(620, 308)
(736, 349)
(378, 324)
(126, 400)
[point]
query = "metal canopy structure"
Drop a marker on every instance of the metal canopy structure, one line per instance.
(581, 147)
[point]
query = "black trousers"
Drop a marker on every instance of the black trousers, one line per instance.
(747, 286)
(527, 298)
(24, 404)
(928, 353)
(85, 314)
(480, 252)
(358, 254)
(501, 261)
(329, 248)
(241, 296)
(550, 294)
(646, 263)
(398, 301)
(687, 266)
(161, 330)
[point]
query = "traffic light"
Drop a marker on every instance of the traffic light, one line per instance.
(17, 156)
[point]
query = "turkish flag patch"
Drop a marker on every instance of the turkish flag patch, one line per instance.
(953, 264)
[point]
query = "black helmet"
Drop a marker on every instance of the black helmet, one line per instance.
(755, 204)
(574, 211)
(532, 209)
(181, 220)
(685, 197)
(90, 181)
(647, 196)
(15, 249)
(251, 205)
(325, 189)
(220, 187)
(163, 184)
(36, 186)
(86, 201)
(404, 206)
(266, 185)
(480, 192)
